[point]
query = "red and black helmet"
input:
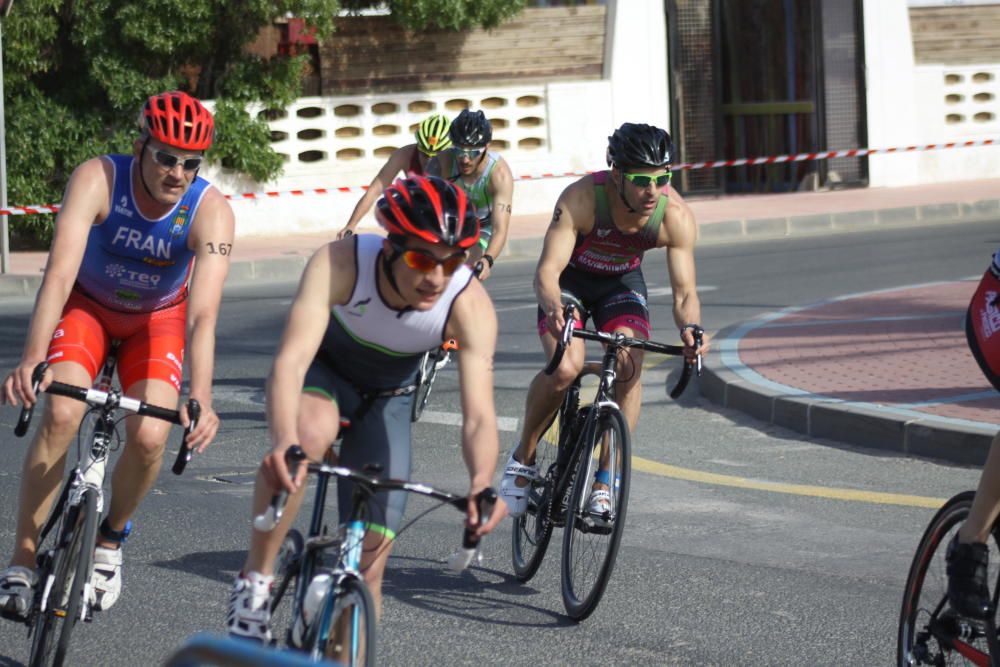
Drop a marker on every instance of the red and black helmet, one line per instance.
(178, 120)
(428, 208)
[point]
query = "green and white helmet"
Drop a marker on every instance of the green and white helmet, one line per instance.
(432, 135)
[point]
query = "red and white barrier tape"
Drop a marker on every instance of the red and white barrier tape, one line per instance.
(686, 166)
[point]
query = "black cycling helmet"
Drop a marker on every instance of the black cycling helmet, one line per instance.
(638, 146)
(470, 128)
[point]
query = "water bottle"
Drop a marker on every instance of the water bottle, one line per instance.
(315, 594)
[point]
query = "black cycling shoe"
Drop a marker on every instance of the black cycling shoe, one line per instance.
(967, 590)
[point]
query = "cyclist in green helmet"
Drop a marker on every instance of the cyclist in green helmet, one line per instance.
(486, 179)
(431, 137)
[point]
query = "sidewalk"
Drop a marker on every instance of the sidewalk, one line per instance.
(910, 388)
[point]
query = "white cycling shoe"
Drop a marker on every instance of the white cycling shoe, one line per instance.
(107, 578)
(516, 496)
(17, 584)
(250, 607)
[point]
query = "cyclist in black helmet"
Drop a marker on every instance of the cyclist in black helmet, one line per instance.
(602, 225)
(430, 138)
(485, 177)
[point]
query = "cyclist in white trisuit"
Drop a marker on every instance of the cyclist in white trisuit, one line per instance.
(367, 309)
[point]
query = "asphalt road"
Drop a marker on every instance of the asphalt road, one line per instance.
(712, 570)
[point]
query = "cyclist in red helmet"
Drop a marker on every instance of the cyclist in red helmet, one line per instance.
(134, 233)
(366, 310)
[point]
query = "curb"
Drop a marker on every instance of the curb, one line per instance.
(850, 221)
(862, 425)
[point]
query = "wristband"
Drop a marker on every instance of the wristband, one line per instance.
(695, 328)
(489, 258)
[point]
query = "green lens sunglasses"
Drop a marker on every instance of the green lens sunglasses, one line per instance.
(643, 180)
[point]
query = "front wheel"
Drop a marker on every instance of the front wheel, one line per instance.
(345, 629)
(70, 572)
(591, 538)
(287, 567)
(930, 632)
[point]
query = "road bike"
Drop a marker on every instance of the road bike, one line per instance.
(332, 612)
(64, 595)
(432, 362)
(930, 631)
(592, 438)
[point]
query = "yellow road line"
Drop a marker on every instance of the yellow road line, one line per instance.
(686, 474)
(854, 495)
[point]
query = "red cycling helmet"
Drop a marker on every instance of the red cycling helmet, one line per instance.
(178, 120)
(429, 208)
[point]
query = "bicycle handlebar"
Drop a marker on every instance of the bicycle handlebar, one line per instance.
(294, 456)
(569, 332)
(99, 399)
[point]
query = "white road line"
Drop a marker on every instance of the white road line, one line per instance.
(508, 424)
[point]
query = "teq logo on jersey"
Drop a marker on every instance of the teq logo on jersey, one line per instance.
(132, 278)
(121, 208)
(180, 221)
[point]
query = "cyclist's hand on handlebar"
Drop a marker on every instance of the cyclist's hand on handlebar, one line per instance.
(205, 430)
(472, 514)
(690, 353)
(482, 270)
(274, 468)
(18, 389)
(554, 319)
(345, 232)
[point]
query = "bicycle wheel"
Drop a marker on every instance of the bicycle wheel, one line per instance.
(71, 569)
(287, 567)
(425, 380)
(930, 633)
(533, 529)
(590, 540)
(345, 631)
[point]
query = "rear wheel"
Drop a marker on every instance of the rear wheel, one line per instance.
(590, 538)
(533, 529)
(425, 380)
(345, 629)
(930, 632)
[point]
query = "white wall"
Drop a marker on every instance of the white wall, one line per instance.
(890, 92)
(548, 128)
(916, 105)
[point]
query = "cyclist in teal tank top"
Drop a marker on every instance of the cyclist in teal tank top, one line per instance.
(430, 138)
(592, 254)
(486, 179)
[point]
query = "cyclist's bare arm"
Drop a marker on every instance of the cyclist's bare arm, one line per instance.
(569, 217)
(211, 238)
(473, 322)
(327, 280)
(682, 234)
(397, 162)
(85, 202)
(501, 194)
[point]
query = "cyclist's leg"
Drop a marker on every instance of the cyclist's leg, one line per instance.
(150, 360)
(968, 556)
(624, 310)
(318, 423)
(380, 436)
(79, 345)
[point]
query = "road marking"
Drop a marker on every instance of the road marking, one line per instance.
(507, 424)
(832, 493)
(716, 479)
